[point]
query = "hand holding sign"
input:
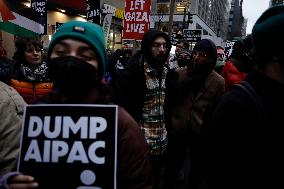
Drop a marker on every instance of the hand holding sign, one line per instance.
(23, 181)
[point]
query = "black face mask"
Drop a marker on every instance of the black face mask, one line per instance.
(198, 69)
(183, 60)
(72, 76)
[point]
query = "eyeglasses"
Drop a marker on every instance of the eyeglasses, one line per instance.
(159, 45)
(199, 54)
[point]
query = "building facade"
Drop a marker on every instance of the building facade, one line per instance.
(236, 27)
(210, 16)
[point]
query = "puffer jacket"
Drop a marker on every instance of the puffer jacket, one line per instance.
(30, 91)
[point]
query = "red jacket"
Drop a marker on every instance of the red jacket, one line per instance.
(232, 75)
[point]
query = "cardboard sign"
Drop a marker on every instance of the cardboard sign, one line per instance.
(192, 35)
(70, 146)
(136, 19)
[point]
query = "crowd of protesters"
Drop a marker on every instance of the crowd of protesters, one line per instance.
(192, 120)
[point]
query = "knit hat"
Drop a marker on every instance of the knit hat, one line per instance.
(267, 33)
(87, 32)
(207, 46)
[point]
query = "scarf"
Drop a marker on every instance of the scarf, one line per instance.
(37, 75)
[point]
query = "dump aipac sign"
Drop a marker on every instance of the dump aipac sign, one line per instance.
(70, 146)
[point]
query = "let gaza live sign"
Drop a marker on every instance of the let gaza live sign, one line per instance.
(136, 19)
(64, 143)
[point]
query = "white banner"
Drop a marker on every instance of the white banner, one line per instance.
(106, 25)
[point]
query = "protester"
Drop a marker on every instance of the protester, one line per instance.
(77, 60)
(12, 108)
(246, 131)
(117, 64)
(220, 60)
(29, 74)
(181, 46)
(183, 58)
(190, 93)
(141, 92)
(240, 63)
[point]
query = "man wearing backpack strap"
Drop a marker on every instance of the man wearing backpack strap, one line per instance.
(246, 135)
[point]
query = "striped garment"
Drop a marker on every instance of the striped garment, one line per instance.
(153, 112)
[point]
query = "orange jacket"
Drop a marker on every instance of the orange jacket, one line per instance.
(31, 92)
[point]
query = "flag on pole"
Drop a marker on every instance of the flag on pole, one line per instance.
(16, 24)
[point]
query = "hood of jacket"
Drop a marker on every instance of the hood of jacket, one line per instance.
(149, 38)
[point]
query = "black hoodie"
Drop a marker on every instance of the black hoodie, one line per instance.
(129, 92)
(148, 40)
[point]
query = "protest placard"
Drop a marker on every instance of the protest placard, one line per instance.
(70, 146)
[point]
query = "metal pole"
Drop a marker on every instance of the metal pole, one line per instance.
(184, 12)
(172, 8)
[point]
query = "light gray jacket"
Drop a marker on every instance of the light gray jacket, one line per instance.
(11, 110)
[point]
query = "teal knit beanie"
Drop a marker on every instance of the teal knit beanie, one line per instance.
(267, 33)
(87, 32)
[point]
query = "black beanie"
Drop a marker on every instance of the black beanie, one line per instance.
(207, 46)
(267, 33)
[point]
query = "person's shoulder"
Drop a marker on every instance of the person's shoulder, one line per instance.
(125, 120)
(217, 77)
(9, 96)
(7, 91)
(235, 97)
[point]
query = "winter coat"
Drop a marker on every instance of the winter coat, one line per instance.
(234, 71)
(11, 108)
(245, 144)
(130, 90)
(31, 91)
(134, 166)
(185, 113)
(187, 109)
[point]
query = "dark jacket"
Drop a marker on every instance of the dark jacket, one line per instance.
(185, 113)
(6, 69)
(245, 146)
(134, 166)
(129, 91)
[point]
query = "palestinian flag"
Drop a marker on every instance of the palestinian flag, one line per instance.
(16, 24)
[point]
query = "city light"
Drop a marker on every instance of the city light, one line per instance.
(27, 4)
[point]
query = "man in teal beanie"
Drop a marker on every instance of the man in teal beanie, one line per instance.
(76, 60)
(87, 32)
